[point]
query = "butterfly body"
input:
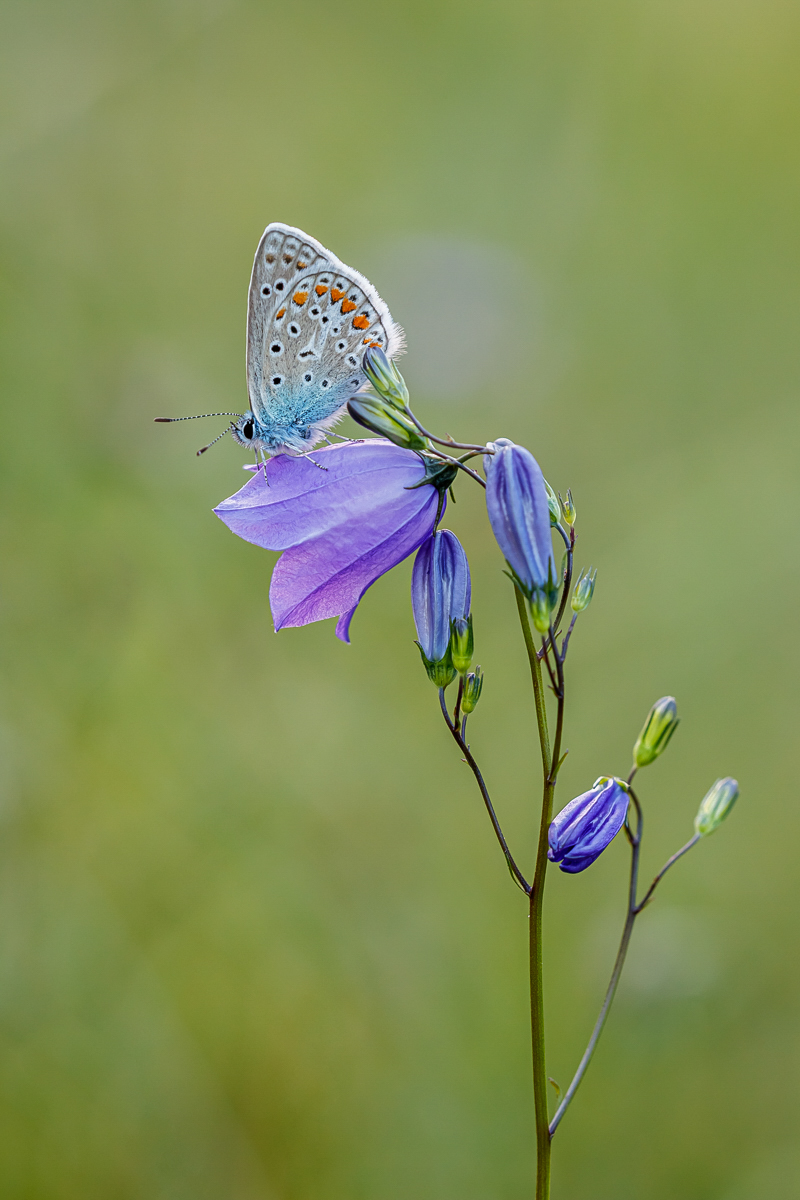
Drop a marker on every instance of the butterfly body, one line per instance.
(310, 318)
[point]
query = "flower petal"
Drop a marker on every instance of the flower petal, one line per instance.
(296, 501)
(327, 575)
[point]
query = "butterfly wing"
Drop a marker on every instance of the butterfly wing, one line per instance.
(310, 317)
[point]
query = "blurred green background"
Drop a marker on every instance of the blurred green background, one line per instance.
(256, 939)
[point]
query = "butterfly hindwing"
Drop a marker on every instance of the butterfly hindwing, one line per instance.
(310, 318)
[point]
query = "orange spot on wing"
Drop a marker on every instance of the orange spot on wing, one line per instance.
(347, 306)
(336, 295)
(301, 265)
(321, 289)
(280, 314)
(300, 297)
(361, 322)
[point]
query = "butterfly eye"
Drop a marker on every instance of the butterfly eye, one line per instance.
(247, 430)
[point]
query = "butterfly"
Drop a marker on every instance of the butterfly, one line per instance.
(309, 320)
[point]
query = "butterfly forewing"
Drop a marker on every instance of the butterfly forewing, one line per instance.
(310, 318)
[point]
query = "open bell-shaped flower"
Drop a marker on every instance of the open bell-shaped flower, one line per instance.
(581, 831)
(441, 594)
(340, 528)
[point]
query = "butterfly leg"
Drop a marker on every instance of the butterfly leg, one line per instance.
(311, 460)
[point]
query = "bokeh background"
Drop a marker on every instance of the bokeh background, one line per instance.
(256, 939)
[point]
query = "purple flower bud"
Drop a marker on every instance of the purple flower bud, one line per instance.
(440, 592)
(519, 513)
(581, 831)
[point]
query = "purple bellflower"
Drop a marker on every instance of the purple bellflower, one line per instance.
(339, 529)
(519, 513)
(441, 594)
(581, 831)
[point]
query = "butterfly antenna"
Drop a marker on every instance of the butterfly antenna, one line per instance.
(197, 417)
(203, 449)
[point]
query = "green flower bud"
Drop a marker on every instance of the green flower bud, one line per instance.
(661, 723)
(553, 504)
(568, 507)
(473, 685)
(715, 806)
(441, 672)
(382, 418)
(385, 377)
(584, 590)
(461, 643)
(540, 609)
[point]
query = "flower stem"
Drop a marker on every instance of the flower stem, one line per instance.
(635, 841)
(634, 909)
(549, 761)
(458, 738)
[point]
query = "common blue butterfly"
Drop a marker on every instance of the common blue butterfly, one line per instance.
(309, 320)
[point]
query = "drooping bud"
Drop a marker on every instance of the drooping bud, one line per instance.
(661, 723)
(568, 507)
(440, 595)
(584, 827)
(584, 590)
(462, 643)
(715, 806)
(553, 504)
(519, 513)
(473, 685)
(383, 418)
(385, 377)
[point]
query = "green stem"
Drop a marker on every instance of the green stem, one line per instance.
(535, 914)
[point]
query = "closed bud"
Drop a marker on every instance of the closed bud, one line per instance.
(461, 643)
(584, 590)
(715, 806)
(385, 377)
(519, 514)
(473, 685)
(568, 508)
(440, 597)
(375, 414)
(661, 723)
(553, 504)
(581, 831)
